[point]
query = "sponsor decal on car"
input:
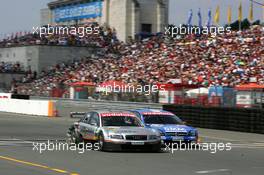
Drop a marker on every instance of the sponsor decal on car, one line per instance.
(157, 113)
(117, 115)
(175, 129)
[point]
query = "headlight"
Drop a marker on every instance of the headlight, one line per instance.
(116, 137)
(162, 134)
(153, 137)
(192, 133)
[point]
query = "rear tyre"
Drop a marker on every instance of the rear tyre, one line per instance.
(77, 139)
(70, 137)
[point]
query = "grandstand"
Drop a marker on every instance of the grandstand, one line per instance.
(225, 60)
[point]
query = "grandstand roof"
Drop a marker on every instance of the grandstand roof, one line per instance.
(250, 86)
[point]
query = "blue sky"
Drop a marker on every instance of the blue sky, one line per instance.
(179, 9)
(20, 15)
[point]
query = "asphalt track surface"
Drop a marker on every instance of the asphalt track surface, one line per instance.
(17, 157)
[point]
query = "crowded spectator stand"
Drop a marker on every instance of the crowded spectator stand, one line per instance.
(9, 67)
(224, 60)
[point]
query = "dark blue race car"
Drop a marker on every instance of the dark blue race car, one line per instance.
(171, 127)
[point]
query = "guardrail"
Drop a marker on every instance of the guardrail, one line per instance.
(223, 118)
(65, 106)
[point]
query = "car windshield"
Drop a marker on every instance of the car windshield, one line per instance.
(162, 119)
(121, 121)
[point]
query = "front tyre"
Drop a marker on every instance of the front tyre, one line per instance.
(156, 148)
(101, 142)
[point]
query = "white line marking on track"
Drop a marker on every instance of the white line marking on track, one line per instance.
(213, 171)
(258, 167)
(20, 142)
(14, 142)
(219, 138)
(248, 145)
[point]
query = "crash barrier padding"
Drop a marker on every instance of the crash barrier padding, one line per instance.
(29, 107)
(18, 96)
(223, 118)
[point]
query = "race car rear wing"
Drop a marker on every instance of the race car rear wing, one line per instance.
(77, 114)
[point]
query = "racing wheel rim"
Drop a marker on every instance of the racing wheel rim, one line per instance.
(101, 142)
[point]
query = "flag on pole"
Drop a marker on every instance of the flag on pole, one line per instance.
(200, 18)
(251, 15)
(209, 18)
(240, 15)
(217, 15)
(189, 22)
(229, 15)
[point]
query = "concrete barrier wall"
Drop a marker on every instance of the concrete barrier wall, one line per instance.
(39, 57)
(29, 107)
(5, 96)
(65, 106)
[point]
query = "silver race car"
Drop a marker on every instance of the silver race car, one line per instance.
(114, 131)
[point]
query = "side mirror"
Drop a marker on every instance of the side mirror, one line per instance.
(147, 125)
(184, 123)
(76, 124)
(93, 124)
